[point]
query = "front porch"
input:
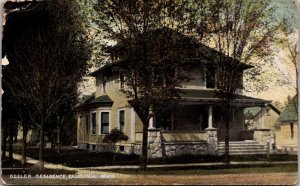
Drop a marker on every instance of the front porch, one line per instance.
(166, 143)
(190, 122)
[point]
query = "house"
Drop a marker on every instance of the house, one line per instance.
(253, 116)
(194, 126)
(287, 133)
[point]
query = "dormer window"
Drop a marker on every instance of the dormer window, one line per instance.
(240, 79)
(122, 80)
(157, 78)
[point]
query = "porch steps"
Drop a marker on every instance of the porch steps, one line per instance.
(242, 148)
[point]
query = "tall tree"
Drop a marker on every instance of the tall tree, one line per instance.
(46, 47)
(150, 46)
(288, 41)
(242, 30)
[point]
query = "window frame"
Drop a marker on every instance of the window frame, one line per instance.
(100, 121)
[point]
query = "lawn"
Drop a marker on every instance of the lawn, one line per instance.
(209, 170)
(73, 157)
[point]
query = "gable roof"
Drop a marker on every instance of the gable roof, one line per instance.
(290, 113)
(252, 112)
(205, 55)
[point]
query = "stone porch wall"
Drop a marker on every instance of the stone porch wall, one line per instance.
(159, 148)
(263, 136)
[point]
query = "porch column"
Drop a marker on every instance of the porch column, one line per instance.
(262, 118)
(210, 117)
(151, 119)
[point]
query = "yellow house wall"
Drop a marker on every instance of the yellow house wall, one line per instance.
(270, 120)
(283, 135)
(112, 89)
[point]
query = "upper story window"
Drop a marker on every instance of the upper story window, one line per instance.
(93, 123)
(210, 74)
(122, 81)
(240, 79)
(157, 78)
(104, 122)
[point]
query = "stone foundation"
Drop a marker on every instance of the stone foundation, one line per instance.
(176, 149)
(158, 148)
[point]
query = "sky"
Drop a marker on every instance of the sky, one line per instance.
(288, 9)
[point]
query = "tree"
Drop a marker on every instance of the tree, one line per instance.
(242, 31)
(46, 47)
(150, 46)
(288, 41)
(114, 136)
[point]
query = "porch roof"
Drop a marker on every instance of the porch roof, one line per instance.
(205, 96)
(90, 101)
(290, 113)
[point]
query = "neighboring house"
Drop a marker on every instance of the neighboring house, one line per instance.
(269, 114)
(287, 134)
(194, 126)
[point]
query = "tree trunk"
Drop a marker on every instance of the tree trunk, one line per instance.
(114, 154)
(4, 141)
(10, 141)
(24, 144)
(227, 136)
(42, 146)
(144, 147)
(57, 138)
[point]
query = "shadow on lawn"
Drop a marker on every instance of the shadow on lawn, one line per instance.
(73, 157)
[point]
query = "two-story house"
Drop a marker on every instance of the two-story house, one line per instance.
(194, 126)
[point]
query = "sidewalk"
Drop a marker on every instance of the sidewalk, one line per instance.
(99, 168)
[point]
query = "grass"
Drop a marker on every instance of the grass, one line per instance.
(237, 169)
(82, 158)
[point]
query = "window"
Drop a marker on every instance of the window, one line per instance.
(87, 124)
(239, 79)
(104, 122)
(93, 123)
(292, 130)
(157, 78)
(163, 121)
(122, 120)
(122, 81)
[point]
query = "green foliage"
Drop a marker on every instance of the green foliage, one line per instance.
(45, 45)
(114, 136)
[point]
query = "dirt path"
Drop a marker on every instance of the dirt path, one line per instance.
(220, 179)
